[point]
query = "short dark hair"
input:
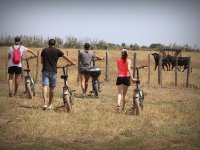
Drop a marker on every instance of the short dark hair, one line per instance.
(17, 39)
(87, 46)
(52, 42)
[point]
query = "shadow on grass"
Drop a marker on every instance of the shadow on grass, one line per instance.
(30, 107)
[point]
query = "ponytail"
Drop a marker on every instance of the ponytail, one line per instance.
(124, 55)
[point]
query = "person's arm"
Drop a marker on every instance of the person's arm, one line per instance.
(69, 60)
(130, 71)
(41, 60)
(30, 51)
(99, 58)
(9, 55)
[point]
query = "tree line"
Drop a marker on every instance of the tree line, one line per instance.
(74, 42)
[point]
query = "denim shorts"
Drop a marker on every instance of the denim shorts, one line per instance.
(49, 78)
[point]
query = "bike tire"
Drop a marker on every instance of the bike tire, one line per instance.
(67, 103)
(29, 91)
(95, 88)
(33, 87)
(71, 97)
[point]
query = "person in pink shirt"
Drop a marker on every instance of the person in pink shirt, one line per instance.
(124, 77)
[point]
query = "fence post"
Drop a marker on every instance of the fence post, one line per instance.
(6, 67)
(160, 70)
(66, 70)
(188, 72)
(107, 76)
(93, 62)
(134, 62)
(37, 67)
(22, 74)
(78, 65)
(149, 70)
(176, 71)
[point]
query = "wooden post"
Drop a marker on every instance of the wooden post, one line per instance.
(134, 63)
(93, 61)
(160, 70)
(188, 72)
(37, 67)
(78, 65)
(6, 68)
(176, 71)
(22, 74)
(149, 62)
(67, 62)
(107, 76)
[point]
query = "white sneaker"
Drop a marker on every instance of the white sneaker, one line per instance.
(44, 107)
(50, 107)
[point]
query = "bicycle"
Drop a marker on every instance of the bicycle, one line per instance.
(29, 81)
(95, 72)
(68, 95)
(138, 96)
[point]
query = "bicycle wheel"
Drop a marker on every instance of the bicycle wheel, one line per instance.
(133, 104)
(28, 88)
(95, 87)
(33, 87)
(71, 97)
(67, 103)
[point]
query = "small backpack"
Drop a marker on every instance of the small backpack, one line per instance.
(16, 55)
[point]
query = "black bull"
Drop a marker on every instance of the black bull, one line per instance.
(170, 62)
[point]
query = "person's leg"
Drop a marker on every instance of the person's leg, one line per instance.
(124, 96)
(120, 94)
(17, 77)
(45, 84)
(82, 78)
(45, 91)
(51, 94)
(10, 82)
(52, 85)
(87, 77)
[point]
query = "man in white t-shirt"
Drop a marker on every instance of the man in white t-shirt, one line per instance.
(15, 69)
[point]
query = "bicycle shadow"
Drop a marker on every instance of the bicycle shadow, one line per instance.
(30, 107)
(89, 95)
(60, 109)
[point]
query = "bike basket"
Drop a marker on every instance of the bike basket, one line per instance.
(94, 72)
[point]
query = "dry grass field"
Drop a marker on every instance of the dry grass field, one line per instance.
(170, 119)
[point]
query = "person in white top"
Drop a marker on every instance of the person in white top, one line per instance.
(14, 70)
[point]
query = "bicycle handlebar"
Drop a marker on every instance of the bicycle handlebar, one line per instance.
(140, 67)
(68, 65)
(31, 57)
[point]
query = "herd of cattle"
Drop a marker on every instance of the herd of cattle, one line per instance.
(169, 62)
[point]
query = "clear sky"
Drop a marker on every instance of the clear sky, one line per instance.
(130, 21)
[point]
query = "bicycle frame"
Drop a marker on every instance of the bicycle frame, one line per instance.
(67, 92)
(29, 82)
(138, 92)
(94, 73)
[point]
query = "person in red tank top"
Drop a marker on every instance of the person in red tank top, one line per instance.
(124, 76)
